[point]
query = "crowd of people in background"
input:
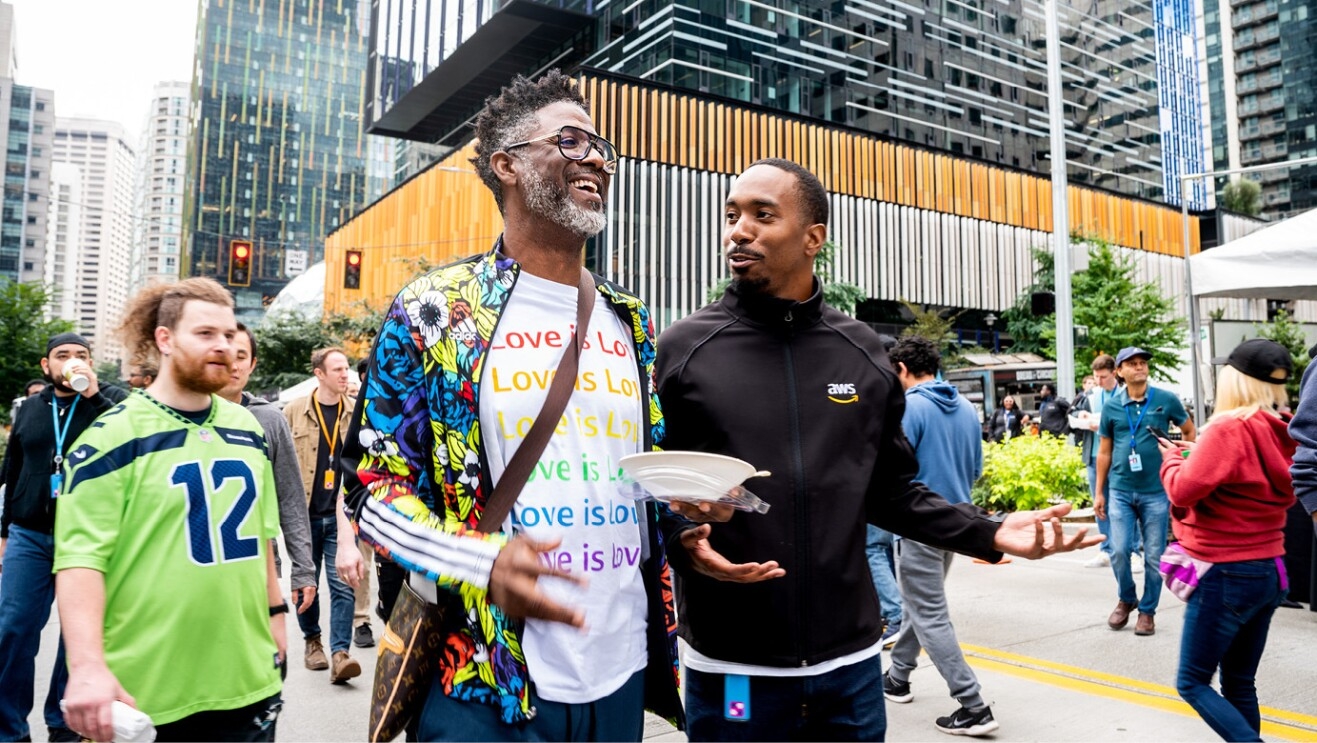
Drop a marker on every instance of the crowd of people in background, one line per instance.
(186, 482)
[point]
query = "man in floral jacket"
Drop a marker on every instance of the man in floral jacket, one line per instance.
(569, 628)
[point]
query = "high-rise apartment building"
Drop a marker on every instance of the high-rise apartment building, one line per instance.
(1263, 68)
(160, 184)
(27, 127)
(64, 239)
(277, 157)
(106, 159)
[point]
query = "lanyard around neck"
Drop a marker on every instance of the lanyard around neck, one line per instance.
(1134, 425)
(61, 433)
(324, 427)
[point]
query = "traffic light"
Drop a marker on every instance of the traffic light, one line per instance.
(240, 263)
(352, 270)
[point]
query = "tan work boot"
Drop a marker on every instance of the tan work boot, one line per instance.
(1145, 626)
(315, 654)
(344, 668)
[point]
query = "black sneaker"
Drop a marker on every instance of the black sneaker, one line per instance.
(966, 721)
(896, 691)
(62, 735)
(362, 637)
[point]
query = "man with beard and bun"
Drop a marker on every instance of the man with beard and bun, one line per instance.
(779, 609)
(439, 419)
(293, 519)
(44, 431)
(167, 592)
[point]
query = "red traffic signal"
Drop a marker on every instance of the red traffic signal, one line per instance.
(352, 270)
(240, 263)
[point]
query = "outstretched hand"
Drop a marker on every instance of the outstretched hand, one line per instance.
(1037, 534)
(514, 583)
(708, 561)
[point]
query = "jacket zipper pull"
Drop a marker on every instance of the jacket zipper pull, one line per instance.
(788, 315)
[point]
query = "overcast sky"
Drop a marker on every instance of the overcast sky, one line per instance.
(103, 57)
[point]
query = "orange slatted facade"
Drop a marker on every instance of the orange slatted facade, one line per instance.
(445, 212)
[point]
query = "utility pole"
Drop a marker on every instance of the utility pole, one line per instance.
(1065, 314)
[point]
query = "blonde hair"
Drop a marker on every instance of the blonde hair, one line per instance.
(1240, 396)
(160, 306)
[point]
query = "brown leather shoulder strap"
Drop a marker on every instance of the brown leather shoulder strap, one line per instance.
(523, 461)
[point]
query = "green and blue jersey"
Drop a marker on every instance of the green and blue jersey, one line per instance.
(177, 516)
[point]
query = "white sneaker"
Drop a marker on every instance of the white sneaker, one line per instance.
(1136, 563)
(1100, 560)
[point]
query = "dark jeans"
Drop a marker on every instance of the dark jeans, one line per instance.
(324, 545)
(841, 705)
(251, 724)
(620, 716)
(27, 589)
(1225, 628)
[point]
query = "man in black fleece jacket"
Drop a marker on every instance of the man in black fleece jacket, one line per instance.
(778, 610)
(56, 414)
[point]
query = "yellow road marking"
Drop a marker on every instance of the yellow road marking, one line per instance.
(1276, 723)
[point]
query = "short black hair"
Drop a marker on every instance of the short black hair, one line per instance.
(813, 196)
(920, 355)
(251, 337)
(363, 365)
(31, 382)
(509, 117)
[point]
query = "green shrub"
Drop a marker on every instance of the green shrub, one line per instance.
(1029, 472)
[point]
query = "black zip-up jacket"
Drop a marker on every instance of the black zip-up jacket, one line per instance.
(30, 458)
(806, 392)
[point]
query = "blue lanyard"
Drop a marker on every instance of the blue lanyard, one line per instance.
(1134, 425)
(61, 433)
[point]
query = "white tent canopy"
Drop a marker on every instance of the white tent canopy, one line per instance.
(1279, 262)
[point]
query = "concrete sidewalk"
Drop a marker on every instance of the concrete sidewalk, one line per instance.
(1035, 633)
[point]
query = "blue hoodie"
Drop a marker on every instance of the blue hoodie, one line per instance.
(945, 432)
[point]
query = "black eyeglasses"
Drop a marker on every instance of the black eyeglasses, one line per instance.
(575, 143)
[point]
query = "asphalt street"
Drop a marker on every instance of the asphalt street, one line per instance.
(1036, 634)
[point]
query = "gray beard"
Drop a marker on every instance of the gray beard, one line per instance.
(553, 203)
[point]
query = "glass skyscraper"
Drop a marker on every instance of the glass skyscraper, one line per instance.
(1262, 68)
(961, 76)
(277, 154)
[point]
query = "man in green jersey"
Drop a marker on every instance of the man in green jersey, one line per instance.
(166, 585)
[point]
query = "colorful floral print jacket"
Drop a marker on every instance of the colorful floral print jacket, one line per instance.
(417, 478)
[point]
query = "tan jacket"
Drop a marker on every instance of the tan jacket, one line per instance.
(305, 427)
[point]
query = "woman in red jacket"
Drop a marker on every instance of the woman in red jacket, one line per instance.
(1228, 504)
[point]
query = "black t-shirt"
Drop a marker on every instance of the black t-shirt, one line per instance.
(322, 498)
(196, 416)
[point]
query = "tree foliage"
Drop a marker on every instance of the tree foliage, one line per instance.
(1242, 197)
(1118, 311)
(24, 331)
(838, 294)
(284, 343)
(937, 326)
(1029, 332)
(1283, 330)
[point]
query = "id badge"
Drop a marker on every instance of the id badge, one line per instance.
(736, 698)
(329, 479)
(1136, 462)
(56, 482)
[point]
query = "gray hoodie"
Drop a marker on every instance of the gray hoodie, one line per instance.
(293, 519)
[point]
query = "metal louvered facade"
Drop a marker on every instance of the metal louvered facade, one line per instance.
(910, 223)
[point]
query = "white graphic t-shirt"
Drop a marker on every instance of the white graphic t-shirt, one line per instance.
(572, 492)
